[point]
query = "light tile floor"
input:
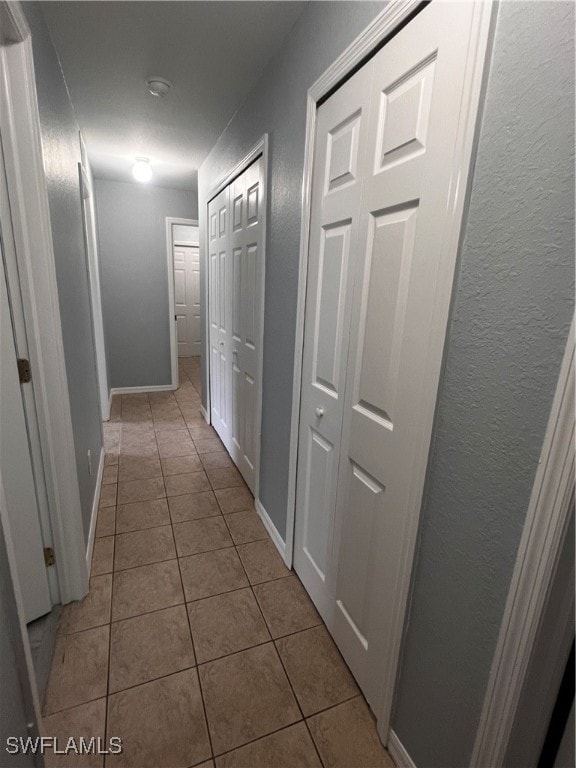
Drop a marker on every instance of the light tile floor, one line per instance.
(196, 645)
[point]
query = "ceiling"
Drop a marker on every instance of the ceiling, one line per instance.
(213, 52)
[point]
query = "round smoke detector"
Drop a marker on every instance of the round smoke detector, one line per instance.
(159, 86)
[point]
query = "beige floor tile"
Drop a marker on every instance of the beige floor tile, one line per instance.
(139, 445)
(102, 556)
(245, 527)
(137, 427)
(142, 514)
(161, 723)
(346, 737)
(193, 506)
(150, 545)
(176, 449)
(262, 561)
(212, 573)
(195, 536)
(173, 437)
(254, 683)
(180, 465)
(192, 482)
(208, 446)
(234, 499)
(106, 522)
(319, 675)
(94, 609)
(291, 747)
(225, 624)
(87, 720)
(203, 433)
(286, 606)
(111, 459)
(141, 490)
(218, 460)
(206, 764)
(146, 588)
(79, 669)
(225, 477)
(169, 424)
(110, 475)
(139, 468)
(149, 646)
(107, 496)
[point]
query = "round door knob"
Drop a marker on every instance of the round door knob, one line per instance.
(221, 343)
(319, 412)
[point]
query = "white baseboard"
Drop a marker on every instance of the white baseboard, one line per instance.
(204, 413)
(272, 530)
(142, 390)
(94, 513)
(398, 752)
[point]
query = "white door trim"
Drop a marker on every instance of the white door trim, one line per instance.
(89, 216)
(389, 21)
(170, 220)
(34, 247)
(546, 520)
(259, 149)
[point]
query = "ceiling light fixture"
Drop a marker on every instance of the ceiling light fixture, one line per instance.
(141, 169)
(159, 86)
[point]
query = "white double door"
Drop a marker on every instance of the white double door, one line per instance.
(235, 255)
(382, 177)
(187, 299)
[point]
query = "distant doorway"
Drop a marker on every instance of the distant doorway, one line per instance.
(184, 290)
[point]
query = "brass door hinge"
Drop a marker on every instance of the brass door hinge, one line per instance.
(24, 371)
(49, 556)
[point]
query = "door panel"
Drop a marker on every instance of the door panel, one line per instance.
(384, 166)
(341, 137)
(18, 476)
(415, 104)
(187, 299)
(246, 274)
(220, 354)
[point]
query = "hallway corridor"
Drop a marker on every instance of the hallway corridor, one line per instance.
(196, 645)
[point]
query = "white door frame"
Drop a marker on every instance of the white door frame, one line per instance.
(546, 521)
(388, 22)
(34, 248)
(89, 217)
(259, 149)
(171, 300)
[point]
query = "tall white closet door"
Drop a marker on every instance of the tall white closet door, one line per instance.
(401, 285)
(219, 314)
(236, 274)
(246, 249)
(341, 137)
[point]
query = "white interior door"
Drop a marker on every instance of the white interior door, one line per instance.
(356, 505)
(219, 314)
(16, 471)
(341, 138)
(246, 231)
(187, 299)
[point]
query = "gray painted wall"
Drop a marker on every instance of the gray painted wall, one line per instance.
(512, 309)
(132, 250)
(61, 149)
(278, 106)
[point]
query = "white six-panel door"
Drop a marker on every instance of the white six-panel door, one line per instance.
(372, 299)
(187, 299)
(340, 148)
(219, 314)
(236, 230)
